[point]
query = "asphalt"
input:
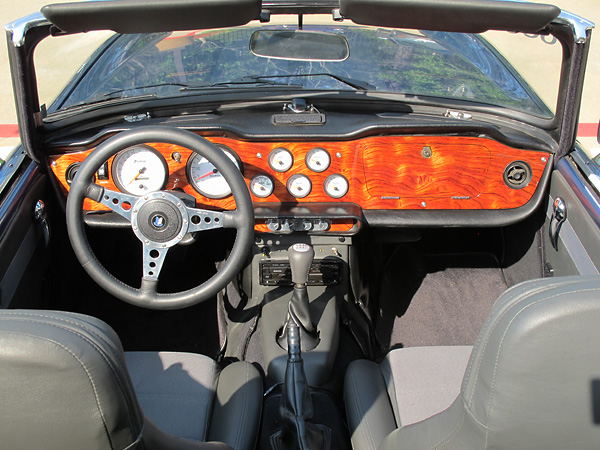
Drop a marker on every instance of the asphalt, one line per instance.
(56, 62)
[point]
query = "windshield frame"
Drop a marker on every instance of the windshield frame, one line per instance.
(24, 35)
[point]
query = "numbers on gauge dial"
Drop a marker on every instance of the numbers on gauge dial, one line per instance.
(336, 186)
(261, 186)
(299, 185)
(206, 178)
(281, 159)
(318, 159)
(139, 170)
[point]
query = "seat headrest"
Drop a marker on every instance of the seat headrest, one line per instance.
(64, 383)
(534, 372)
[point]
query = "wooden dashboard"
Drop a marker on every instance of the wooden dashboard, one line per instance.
(384, 172)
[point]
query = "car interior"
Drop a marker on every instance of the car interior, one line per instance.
(299, 271)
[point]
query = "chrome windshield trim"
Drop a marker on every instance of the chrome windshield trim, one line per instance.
(20, 27)
(10, 166)
(579, 25)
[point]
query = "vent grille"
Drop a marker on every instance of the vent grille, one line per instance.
(517, 175)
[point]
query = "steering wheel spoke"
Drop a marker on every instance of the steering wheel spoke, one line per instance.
(154, 257)
(201, 220)
(118, 202)
(160, 220)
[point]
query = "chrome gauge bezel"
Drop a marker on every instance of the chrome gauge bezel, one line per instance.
(274, 154)
(294, 179)
(193, 159)
(329, 180)
(315, 164)
(269, 189)
(159, 181)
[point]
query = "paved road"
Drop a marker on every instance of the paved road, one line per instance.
(67, 57)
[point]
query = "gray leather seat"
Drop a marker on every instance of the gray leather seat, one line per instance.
(64, 383)
(531, 381)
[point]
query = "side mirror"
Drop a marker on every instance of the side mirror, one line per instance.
(299, 45)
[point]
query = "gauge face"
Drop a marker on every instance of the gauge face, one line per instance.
(139, 170)
(318, 159)
(299, 185)
(261, 186)
(336, 186)
(204, 176)
(281, 159)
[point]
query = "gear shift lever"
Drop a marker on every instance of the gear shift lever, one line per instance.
(301, 257)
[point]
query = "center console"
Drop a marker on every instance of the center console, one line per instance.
(326, 286)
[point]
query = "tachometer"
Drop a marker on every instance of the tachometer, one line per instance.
(205, 177)
(139, 170)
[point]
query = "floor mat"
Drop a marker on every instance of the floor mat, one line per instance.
(436, 299)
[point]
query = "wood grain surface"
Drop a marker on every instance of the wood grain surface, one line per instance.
(384, 172)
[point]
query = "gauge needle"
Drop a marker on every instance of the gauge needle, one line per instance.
(142, 170)
(207, 174)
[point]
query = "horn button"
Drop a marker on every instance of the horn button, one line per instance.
(159, 218)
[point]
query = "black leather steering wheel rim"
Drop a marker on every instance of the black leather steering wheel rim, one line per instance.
(242, 219)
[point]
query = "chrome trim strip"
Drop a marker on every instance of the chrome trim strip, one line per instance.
(10, 166)
(20, 27)
(589, 168)
(588, 198)
(579, 25)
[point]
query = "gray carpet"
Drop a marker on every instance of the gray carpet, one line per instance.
(436, 300)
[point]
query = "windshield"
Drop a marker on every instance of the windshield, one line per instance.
(411, 63)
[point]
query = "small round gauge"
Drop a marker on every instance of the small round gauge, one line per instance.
(261, 186)
(205, 177)
(281, 159)
(318, 159)
(299, 185)
(336, 186)
(139, 170)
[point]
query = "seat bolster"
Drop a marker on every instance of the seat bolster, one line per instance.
(368, 407)
(424, 381)
(237, 407)
(156, 439)
(453, 429)
(175, 390)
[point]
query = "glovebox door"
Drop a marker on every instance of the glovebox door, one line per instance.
(572, 227)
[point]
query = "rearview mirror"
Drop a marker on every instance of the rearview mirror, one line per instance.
(299, 45)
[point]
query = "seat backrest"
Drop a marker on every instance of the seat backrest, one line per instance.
(64, 383)
(533, 379)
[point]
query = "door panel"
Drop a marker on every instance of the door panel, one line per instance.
(578, 244)
(23, 257)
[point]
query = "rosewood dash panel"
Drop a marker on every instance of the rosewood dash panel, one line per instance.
(386, 172)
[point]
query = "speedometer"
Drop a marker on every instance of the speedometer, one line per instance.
(139, 170)
(206, 178)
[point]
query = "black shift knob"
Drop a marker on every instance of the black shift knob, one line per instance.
(301, 257)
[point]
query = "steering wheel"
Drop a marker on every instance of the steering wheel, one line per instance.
(160, 220)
